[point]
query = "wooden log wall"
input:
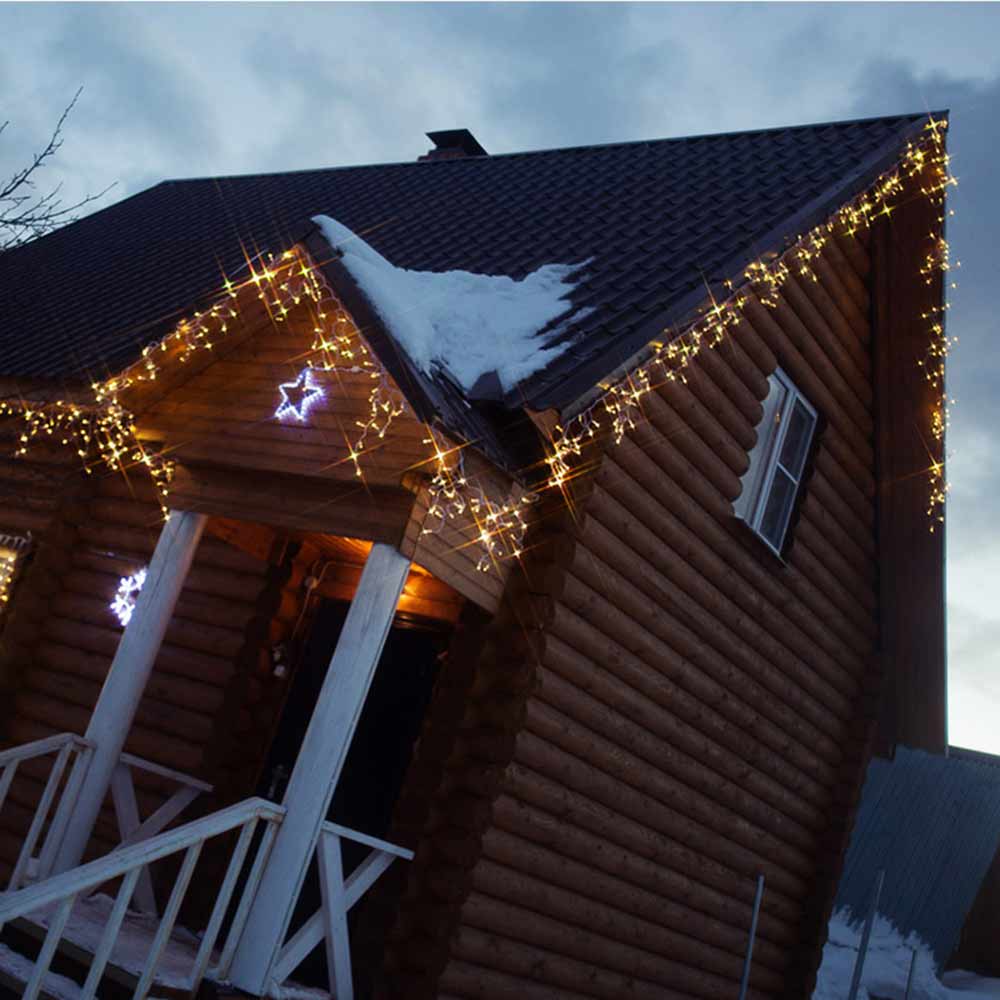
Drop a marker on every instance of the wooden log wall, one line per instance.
(663, 710)
(225, 414)
(63, 653)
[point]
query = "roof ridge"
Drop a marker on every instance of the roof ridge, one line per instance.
(908, 116)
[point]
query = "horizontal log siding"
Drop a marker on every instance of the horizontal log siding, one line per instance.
(696, 712)
(63, 658)
(224, 415)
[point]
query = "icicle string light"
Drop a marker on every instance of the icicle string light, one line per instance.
(619, 406)
(104, 432)
(12, 547)
(501, 526)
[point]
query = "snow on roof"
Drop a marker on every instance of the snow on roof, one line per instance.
(468, 324)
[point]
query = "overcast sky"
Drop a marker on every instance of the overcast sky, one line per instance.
(202, 89)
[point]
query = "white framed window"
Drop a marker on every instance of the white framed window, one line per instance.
(777, 463)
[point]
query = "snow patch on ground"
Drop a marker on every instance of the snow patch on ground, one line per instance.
(469, 324)
(887, 966)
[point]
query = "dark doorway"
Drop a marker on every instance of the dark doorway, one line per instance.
(380, 750)
(389, 725)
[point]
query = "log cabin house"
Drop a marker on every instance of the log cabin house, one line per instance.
(451, 682)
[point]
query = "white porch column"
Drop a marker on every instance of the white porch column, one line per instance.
(317, 769)
(133, 663)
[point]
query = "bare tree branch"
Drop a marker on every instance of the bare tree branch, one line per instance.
(25, 214)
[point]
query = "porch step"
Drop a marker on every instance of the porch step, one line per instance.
(22, 938)
(16, 969)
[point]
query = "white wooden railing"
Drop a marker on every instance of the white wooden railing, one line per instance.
(131, 830)
(69, 748)
(329, 922)
(64, 746)
(58, 894)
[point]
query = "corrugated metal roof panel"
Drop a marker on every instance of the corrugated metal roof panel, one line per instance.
(933, 824)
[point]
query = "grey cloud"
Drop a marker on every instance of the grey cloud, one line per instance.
(196, 89)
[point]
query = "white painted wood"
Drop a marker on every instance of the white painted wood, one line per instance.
(56, 927)
(221, 971)
(167, 923)
(365, 876)
(363, 838)
(129, 672)
(314, 777)
(161, 818)
(338, 945)
(41, 814)
(311, 932)
(8, 776)
(39, 748)
(165, 772)
(127, 815)
(221, 904)
(64, 889)
(64, 745)
(85, 878)
(67, 804)
(110, 934)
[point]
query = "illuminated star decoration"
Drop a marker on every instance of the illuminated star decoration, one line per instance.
(128, 590)
(298, 397)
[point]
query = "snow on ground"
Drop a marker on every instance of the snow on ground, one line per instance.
(887, 966)
(21, 969)
(469, 324)
(86, 927)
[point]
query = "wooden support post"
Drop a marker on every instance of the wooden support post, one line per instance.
(133, 663)
(314, 778)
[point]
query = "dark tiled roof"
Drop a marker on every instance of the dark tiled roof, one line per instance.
(932, 824)
(657, 218)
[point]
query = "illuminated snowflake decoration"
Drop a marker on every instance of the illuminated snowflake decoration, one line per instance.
(299, 397)
(128, 591)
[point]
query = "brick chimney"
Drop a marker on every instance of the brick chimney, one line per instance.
(453, 144)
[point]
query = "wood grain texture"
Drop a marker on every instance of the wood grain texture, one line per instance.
(691, 713)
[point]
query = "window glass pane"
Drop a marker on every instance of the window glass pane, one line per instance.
(779, 505)
(796, 444)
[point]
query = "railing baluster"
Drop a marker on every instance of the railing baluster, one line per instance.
(41, 811)
(127, 814)
(56, 927)
(221, 905)
(110, 934)
(249, 891)
(8, 777)
(167, 923)
(58, 893)
(67, 803)
(331, 883)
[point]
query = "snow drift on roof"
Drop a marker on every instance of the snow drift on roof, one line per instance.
(468, 324)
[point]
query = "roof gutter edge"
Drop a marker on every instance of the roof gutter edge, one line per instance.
(686, 310)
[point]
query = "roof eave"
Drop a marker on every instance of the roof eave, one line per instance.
(570, 396)
(434, 400)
